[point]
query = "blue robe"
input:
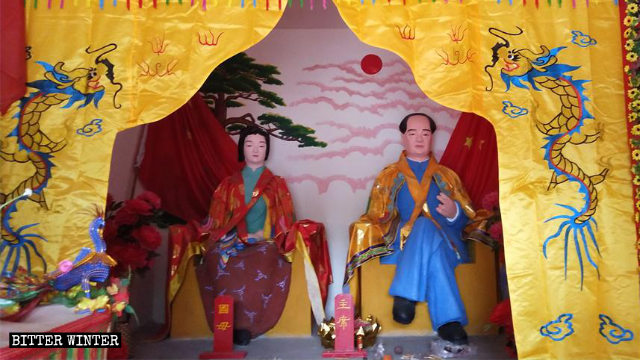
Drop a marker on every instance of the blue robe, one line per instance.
(425, 267)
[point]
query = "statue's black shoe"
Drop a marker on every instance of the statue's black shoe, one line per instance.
(241, 337)
(404, 310)
(453, 332)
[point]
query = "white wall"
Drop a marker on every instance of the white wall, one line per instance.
(122, 179)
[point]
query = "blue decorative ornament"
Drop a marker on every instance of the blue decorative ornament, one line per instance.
(581, 39)
(89, 265)
(513, 111)
(559, 329)
(613, 332)
(91, 128)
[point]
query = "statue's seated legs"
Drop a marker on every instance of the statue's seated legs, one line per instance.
(257, 278)
(425, 271)
(241, 337)
(404, 310)
(453, 332)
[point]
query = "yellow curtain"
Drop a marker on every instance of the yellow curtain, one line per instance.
(95, 69)
(549, 78)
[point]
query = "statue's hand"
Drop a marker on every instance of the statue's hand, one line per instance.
(447, 206)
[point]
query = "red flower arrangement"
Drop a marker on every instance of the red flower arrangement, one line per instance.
(501, 314)
(130, 234)
(491, 203)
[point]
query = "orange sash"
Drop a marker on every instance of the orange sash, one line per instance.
(241, 212)
(419, 192)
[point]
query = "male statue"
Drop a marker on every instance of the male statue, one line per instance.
(415, 217)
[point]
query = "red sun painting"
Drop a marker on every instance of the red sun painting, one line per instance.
(371, 64)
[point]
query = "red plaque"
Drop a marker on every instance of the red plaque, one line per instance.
(223, 331)
(345, 330)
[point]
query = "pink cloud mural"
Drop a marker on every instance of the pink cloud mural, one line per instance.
(357, 131)
(335, 105)
(346, 66)
(400, 77)
(323, 182)
(350, 66)
(358, 113)
(376, 109)
(379, 95)
(377, 150)
(368, 132)
(409, 106)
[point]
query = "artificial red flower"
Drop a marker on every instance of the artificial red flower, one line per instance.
(125, 217)
(137, 206)
(129, 232)
(114, 243)
(501, 316)
(116, 249)
(491, 201)
(120, 269)
(495, 231)
(150, 198)
(136, 256)
(148, 237)
(110, 231)
(129, 255)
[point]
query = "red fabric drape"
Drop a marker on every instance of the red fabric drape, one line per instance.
(472, 153)
(186, 156)
(13, 67)
(315, 239)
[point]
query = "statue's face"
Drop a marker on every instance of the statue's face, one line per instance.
(255, 150)
(417, 138)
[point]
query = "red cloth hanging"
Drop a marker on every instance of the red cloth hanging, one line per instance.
(472, 153)
(13, 67)
(314, 238)
(186, 156)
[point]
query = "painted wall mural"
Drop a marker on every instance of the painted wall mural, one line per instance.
(354, 111)
(241, 79)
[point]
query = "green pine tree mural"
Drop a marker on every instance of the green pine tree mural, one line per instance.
(240, 79)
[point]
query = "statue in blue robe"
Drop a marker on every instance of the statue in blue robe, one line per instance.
(415, 217)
